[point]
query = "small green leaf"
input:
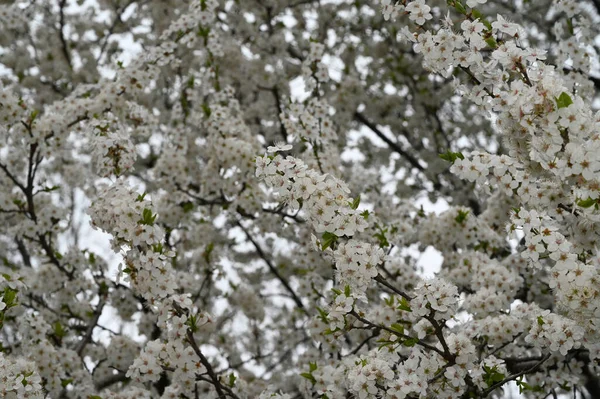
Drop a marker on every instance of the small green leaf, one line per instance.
(66, 381)
(9, 297)
(570, 26)
(355, 203)
(232, 379)
(461, 217)
(34, 115)
(586, 203)
(491, 41)
(451, 156)
(404, 305)
(187, 206)
(398, 327)
(323, 315)
(410, 342)
(309, 377)
(460, 7)
(59, 330)
(209, 249)
(564, 100)
(328, 240)
(147, 217)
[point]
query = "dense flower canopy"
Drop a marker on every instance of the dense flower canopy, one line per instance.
(240, 199)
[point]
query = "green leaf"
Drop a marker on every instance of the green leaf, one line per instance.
(570, 26)
(383, 241)
(355, 203)
(9, 297)
(328, 240)
(323, 315)
(147, 217)
(540, 320)
(491, 41)
(564, 100)
(49, 189)
(206, 110)
(66, 381)
(347, 290)
(59, 330)
(312, 366)
(187, 206)
(33, 115)
(461, 217)
(398, 327)
(390, 301)
(209, 249)
(232, 379)
(410, 342)
(451, 156)
(192, 323)
(365, 214)
(404, 305)
(478, 15)
(309, 377)
(586, 203)
(459, 7)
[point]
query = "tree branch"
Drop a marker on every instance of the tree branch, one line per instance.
(393, 145)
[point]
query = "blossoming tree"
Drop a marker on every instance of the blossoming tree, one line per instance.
(257, 165)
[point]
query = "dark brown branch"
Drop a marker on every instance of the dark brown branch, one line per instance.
(23, 251)
(383, 282)
(63, 39)
(397, 333)
(90, 329)
(113, 379)
(272, 268)
(214, 379)
(513, 377)
(393, 145)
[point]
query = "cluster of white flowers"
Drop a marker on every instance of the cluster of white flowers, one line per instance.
(468, 228)
(314, 71)
(356, 265)
(547, 128)
(19, 379)
(435, 297)
(324, 198)
(555, 332)
(156, 354)
(369, 372)
(367, 323)
(310, 121)
(126, 215)
(113, 153)
(489, 365)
